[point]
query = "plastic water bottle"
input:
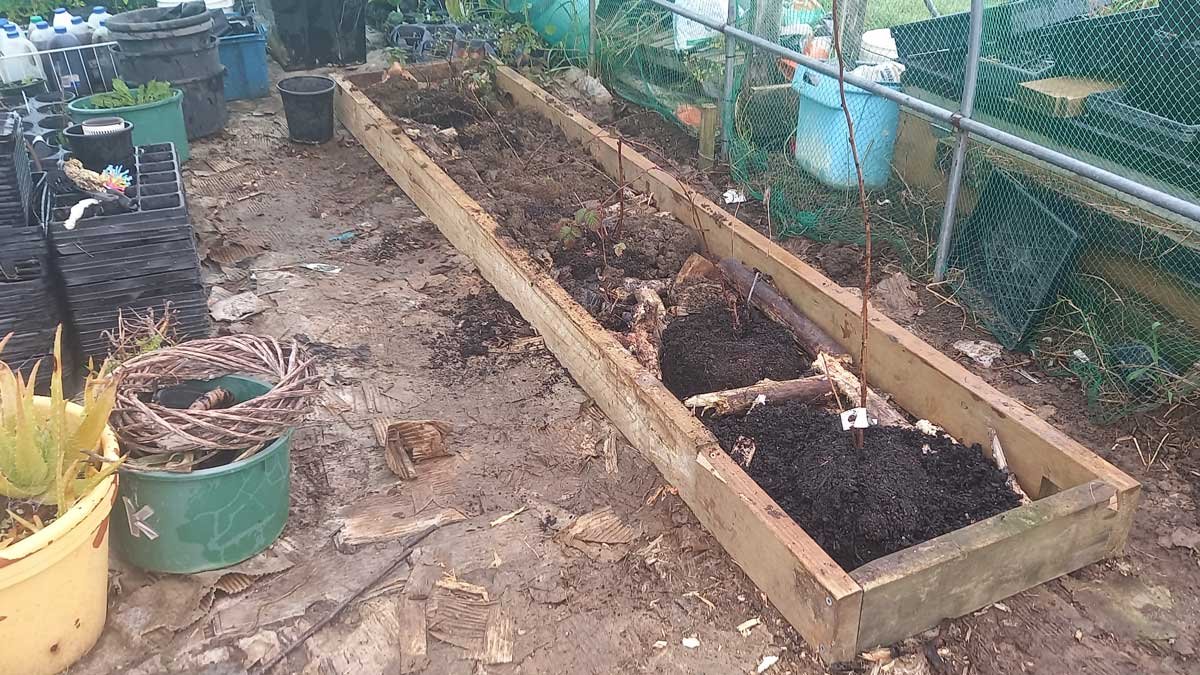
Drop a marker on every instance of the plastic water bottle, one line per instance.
(62, 18)
(80, 30)
(20, 63)
(33, 22)
(68, 65)
(105, 65)
(99, 15)
(40, 36)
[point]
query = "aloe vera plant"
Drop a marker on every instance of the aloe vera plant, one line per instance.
(47, 455)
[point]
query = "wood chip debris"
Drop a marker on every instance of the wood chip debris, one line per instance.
(413, 642)
(690, 642)
(508, 516)
(451, 583)
(660, 644)
(601, 526)
(766, 663)
(746, 626)
(378, 521)
(701, 598)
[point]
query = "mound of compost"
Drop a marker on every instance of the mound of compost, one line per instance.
(545, 191)
(707, 351)
(482, 323)
(903, 488)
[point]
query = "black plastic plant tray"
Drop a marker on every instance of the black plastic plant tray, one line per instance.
(22, 269)
(1168, 84)
(1111, 46)
(181, 298)
(1113, 111)
(1038, 249)
(116, 244)
(118, 291)
(89, 272)
(942, 73)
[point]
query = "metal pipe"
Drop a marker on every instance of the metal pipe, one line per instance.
(933, 10)
(966, 109)
(1149, 195)
(727, 102)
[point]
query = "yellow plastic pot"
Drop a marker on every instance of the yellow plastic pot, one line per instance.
(54, 585)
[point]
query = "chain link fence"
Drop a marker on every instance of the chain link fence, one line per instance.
(1091, 283)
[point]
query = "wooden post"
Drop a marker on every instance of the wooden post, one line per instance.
(709, 114)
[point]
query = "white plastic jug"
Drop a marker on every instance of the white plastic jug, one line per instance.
(98, 15)
(81, 31)
(20, 62)
(61, 18)
(33, 22)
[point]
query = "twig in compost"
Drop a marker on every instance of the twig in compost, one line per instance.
(621, 188)
(862, 200)
(387, 569)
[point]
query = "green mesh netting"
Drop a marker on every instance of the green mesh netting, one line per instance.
(1091, 283)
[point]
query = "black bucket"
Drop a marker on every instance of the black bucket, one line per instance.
(308, 105)
(97, 151)
(204, 109)
(161, 29)
(171, 65)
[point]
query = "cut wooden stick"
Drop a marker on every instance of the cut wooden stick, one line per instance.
(811, 337)
(846, 382)
(1002, 463)
(734, 401)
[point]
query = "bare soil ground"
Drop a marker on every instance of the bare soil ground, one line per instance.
(406, 329)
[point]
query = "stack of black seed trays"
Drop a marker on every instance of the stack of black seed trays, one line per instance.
(29, 306)
(131, 262)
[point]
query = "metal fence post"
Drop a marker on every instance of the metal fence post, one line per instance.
(727, 100)
(966, 109)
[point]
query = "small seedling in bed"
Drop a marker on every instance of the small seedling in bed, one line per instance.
(568, 235)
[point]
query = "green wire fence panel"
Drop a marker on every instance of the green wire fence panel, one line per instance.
(1092, 285)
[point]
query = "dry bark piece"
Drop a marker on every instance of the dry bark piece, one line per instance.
(378, 521)
(811, 337)
(423, 439)
(413, 642)
(849, 388)
(812, 390)
(645, 335)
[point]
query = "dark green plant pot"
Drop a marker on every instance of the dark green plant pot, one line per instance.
(158, 122)
(210, 518)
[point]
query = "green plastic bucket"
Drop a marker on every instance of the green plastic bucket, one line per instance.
(210, 518)
(158, 122)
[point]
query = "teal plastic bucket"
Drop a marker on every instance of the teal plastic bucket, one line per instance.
(823, 141)
(562, 23)
(182, 523)
(153, 123)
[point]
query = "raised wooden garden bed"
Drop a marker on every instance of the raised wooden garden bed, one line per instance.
(1082, 509)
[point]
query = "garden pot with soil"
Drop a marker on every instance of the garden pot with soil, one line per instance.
(210, 517)
(158, 122)
(16, 93)
(54, 583)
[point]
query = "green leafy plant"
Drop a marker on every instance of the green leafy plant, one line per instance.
(568, 235)
(122, 96)
(46, 455)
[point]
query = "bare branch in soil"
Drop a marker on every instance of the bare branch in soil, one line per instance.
(862, 199)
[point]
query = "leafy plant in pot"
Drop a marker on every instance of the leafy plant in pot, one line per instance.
(57, 461)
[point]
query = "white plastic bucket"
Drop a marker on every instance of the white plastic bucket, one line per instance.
(878, 46)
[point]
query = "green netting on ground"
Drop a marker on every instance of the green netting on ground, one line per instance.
(1090, 283)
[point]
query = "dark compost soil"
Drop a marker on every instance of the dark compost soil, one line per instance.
(546, 193)
(483, 323)
(903, 488)
(707, 351)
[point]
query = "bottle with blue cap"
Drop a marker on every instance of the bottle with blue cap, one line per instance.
(98, 16)
(69, 69)
(33, 22)
(61, 18)
(20, 60)
(80, 30)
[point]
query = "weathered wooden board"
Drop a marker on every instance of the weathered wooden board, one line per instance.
(960, 572)
(919, 378)
(817, 597)
(1087, 506)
